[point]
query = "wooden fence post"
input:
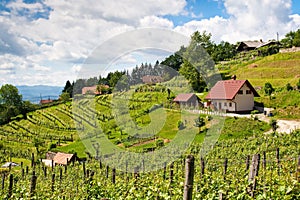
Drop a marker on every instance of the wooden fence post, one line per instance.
(107, 171)
(189, 177)
(84, 170)
(113, 176)
(298, 169)
(171, 172)
(225, 167)
(3, 181)
(10, 186)
(278, 160)
(60, 173)
(253, 173)
(202, 167)
(52, 182)
(165, 171)
(32, 160)
(264, 160)
(33, 185)
(45, 171)
(247, 162)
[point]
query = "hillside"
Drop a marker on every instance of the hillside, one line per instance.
(278, 69)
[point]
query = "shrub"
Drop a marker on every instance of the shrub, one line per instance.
(180, 125)
(289, 87)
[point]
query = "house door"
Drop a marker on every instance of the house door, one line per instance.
(220, 106)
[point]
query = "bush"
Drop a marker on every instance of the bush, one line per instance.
(52, 146)
(159, 143)
(289, 87)
(180, 125)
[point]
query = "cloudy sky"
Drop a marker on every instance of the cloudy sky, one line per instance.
(45, 42)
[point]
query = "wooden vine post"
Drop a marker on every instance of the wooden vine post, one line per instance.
(171, 172)
(225, 167)
(298, 169)
(33, 185)
(202, 167)
(113, 176)
(3, 181)
(189, 177)
(10, 186)
(278, 160)
(253, 173)
(53, 182)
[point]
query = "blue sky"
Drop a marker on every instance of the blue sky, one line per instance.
(47, 41)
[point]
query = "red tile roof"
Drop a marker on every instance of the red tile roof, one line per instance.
(183, 97)
(46, 101)
(61, 158)
(92, 89)
(228, 89)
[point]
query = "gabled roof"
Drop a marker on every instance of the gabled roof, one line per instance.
(228, 89)
(92, 89)
(184, 97)
(61, 158)
(152, 79)
(45, 101)
(252, 44)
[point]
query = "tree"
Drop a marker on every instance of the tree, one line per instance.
(289, 87)
(268, 89)
(65, 96)
(68, 88)
(197, 63)
(291, 39)
(11, 103)
(199, 122)
(298, 85)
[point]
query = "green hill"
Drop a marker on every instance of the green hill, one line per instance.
(278, 69)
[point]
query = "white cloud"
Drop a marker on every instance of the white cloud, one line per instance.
(154, 21)
(249, 20)
(49, 50)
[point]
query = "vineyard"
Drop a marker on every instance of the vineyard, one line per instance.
(244, 163)
(222, 174)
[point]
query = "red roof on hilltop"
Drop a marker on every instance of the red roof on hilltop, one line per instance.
(228, 89)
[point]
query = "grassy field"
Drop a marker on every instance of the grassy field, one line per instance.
(278, 69)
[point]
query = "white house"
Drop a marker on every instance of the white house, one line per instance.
(232, 96)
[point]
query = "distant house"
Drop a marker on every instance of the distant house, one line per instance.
(58, 158)
(93, 89)
(152, 79)
(188, 99)
(46, 101)
(232, 96)
(90, 90)
(252, 45)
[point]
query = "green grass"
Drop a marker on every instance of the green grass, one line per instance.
(287, 104)
(278, 69)
(242, 127)
(77, 147)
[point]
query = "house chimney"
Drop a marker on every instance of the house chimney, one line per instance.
(233, 77)
(261, 41)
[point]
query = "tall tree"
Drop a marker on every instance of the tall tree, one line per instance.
(11, 103)
(197, 63)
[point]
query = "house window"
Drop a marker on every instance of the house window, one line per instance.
(240, 92)
(225, 104)
(248, 92)
(230, 104)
